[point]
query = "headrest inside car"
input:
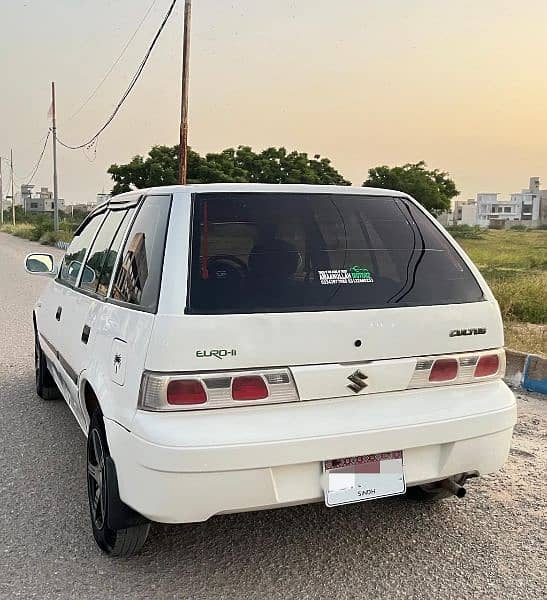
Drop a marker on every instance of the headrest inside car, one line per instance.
(275, 258)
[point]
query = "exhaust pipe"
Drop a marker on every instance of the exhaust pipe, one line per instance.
(453, 487)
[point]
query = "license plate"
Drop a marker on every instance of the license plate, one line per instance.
(361, 478)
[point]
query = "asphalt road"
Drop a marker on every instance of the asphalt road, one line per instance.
(492, 544)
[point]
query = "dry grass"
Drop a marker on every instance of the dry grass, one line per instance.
(515, 265)
(508, 250)
(24, 230)
(526, 337)
(36, 232)
(521, 296)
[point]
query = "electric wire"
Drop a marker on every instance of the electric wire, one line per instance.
(115, 63)
(8, 180)
(6, 193)
(92, 156)
(130, 87)
(31, 176)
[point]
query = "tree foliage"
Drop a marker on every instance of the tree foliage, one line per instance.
(241, 165)
(433, 189)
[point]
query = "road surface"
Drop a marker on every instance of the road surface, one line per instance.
(489, 545)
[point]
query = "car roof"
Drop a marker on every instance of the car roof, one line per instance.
(262, 188)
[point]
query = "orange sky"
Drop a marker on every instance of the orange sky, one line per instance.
(461, 85)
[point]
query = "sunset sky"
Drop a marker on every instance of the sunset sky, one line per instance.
(461, 85)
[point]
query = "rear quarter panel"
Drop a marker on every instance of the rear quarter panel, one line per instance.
(117, 330)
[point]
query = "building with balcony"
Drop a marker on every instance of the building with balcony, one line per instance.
(40, 202)
(528, 207)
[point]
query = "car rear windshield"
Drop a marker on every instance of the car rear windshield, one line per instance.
(275, 252)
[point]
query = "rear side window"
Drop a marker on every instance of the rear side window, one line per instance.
(102, 256)
(74, 257)
(262, 252)
(138, 277)
(110, 258)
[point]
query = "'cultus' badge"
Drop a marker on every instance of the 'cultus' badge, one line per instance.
(471, 331)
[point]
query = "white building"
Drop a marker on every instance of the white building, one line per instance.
(491, 208)
(528, 207)
(530, 201)
(465, 212)
(89, 206)
(40, 202)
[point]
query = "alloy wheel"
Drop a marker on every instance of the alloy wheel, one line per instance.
(96, 480)
(36, 362)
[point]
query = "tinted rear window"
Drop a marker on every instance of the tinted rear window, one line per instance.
(262, 252)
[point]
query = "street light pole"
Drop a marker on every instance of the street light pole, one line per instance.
(183, 143)
(54, 132)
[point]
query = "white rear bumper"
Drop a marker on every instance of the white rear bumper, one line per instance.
(187, 467)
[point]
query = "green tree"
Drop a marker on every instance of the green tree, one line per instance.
(433, 189)
(273, 165)
(159, 168)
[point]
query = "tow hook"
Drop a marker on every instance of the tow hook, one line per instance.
(453, 487)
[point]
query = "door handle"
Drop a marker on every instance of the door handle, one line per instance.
(85, 333)
(58, 313)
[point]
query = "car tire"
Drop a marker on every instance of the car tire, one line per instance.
(131, 530)
(46, 387)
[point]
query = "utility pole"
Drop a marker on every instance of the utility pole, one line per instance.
(12, 188)
(55, 189)
(183, 144)
(1, 195)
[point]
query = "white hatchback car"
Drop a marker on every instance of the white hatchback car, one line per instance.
(238, 347)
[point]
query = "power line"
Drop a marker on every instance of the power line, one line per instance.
(38, 162)
(120, 56)
(15, 177)
(6, 193)
(132, 84)
(31, 176)
(92, 157)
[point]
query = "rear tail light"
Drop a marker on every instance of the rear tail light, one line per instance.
(444, 369)
(171, 392)
(249, 388)
(199, 391)
(185, 392)
(487, 365)
(458, 368)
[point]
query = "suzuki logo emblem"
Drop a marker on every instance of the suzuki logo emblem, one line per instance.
(358, 381)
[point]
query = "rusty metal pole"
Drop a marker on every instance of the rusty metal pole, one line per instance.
(183, 144)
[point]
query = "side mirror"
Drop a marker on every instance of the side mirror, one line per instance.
(89, 275)
(40, 264)
(73, 270)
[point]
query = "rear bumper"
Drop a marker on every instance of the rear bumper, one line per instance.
(177, 468)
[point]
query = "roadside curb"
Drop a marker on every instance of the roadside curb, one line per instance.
(528, 371)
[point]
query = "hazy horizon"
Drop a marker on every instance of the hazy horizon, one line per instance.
(363, 82)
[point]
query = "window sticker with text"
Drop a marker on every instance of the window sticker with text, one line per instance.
(352, 275)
